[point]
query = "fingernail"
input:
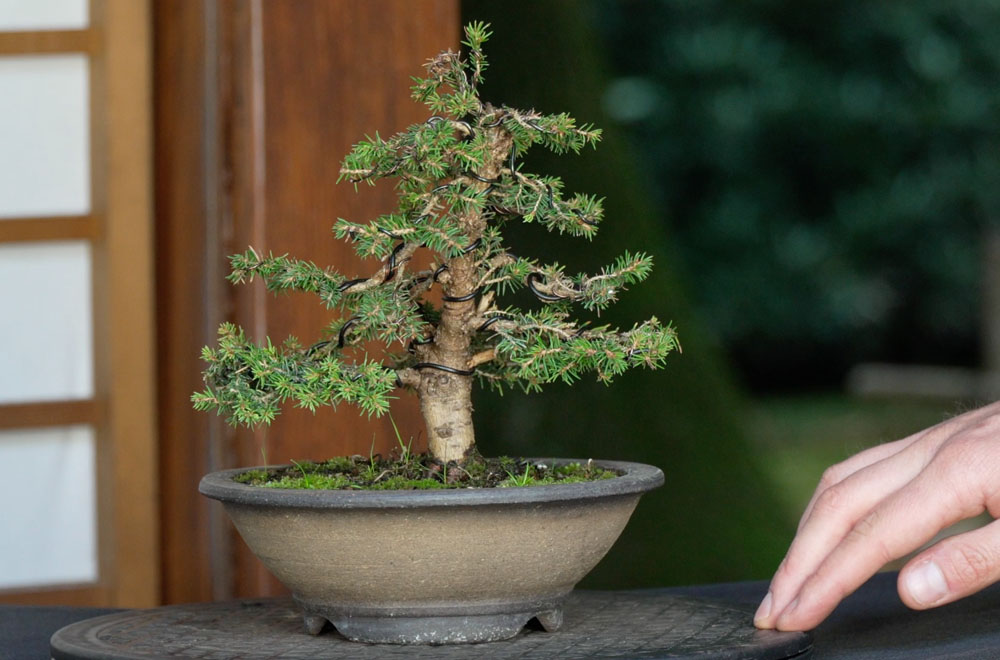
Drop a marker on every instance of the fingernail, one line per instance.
(764, 611)
(926, 583)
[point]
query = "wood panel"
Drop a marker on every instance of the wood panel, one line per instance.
(49, 413)
(121, 182)
(30, 42)
(187, 305)
(335, 87)
(71, 595)
(59, 228)
(257, 102)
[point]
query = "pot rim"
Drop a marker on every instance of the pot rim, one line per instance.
(635, 478)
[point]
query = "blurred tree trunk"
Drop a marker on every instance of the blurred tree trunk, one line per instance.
(716, 518)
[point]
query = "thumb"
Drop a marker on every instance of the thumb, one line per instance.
(953, 568)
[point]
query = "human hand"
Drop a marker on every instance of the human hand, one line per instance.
(882, 504)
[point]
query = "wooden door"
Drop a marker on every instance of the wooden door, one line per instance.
(256, 103)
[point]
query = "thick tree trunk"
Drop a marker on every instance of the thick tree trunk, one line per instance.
(446, 403)
(446, 398)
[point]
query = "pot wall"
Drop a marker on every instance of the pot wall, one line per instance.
(408, 557)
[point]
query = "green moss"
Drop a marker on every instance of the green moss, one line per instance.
(252, 477)
(338, 464)
(418, 472)
(313, 481)
(541, 475)
(402, 483)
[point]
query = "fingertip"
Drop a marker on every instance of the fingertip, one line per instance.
(923, 584)
(762, 618)
(786, 619)
(801, 615)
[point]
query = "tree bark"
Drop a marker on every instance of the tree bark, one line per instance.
(446, 398)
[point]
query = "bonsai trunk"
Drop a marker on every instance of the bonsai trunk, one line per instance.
(446, 397)
(446, 404)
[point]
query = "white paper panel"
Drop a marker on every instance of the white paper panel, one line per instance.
(45, 135)
(43, 14)
(48, 507)
(46, 326)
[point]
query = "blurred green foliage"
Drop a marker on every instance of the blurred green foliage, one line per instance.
(717, 517)
(829, 169)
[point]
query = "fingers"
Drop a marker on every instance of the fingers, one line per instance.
(903, 522)
(835, 511)
(846, 503)
(930, 439)
(837, 473)
(954, 568)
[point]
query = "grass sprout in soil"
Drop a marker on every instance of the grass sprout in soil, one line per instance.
(420, 472)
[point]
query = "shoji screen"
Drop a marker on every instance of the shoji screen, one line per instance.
(77, 444)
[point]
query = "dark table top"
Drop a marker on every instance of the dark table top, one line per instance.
(871, 624)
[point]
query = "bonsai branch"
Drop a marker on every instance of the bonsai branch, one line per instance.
(482, 357)
(394, 266)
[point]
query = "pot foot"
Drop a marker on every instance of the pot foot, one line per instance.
(552, 620)
(314, 624)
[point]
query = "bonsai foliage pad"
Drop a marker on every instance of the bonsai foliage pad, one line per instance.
(621, 624)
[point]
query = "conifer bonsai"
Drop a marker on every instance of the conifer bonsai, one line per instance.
(459, 180)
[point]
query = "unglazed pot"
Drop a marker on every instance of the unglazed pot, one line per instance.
(433, 566)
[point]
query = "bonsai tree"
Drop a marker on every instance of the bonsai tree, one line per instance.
(459, 179)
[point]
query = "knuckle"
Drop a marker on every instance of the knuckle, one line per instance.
(958, 451)
(973, 564)
(958, 471)
(866, 533)
(831, 476)
(833, 501)
(988, 426)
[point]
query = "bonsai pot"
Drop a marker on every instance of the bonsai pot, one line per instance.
(433, 566)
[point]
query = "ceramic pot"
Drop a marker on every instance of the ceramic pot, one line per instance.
(433, 566)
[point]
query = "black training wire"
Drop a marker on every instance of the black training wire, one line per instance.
(494, 124)
(583, 219)
(392, 263)
(315, 347)
(531, 280)
(468, 296)
(343, 331)
(468, 127)
(411, 347)
(348, 284)
(487, 323)
(441, 367)
(477, 177)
